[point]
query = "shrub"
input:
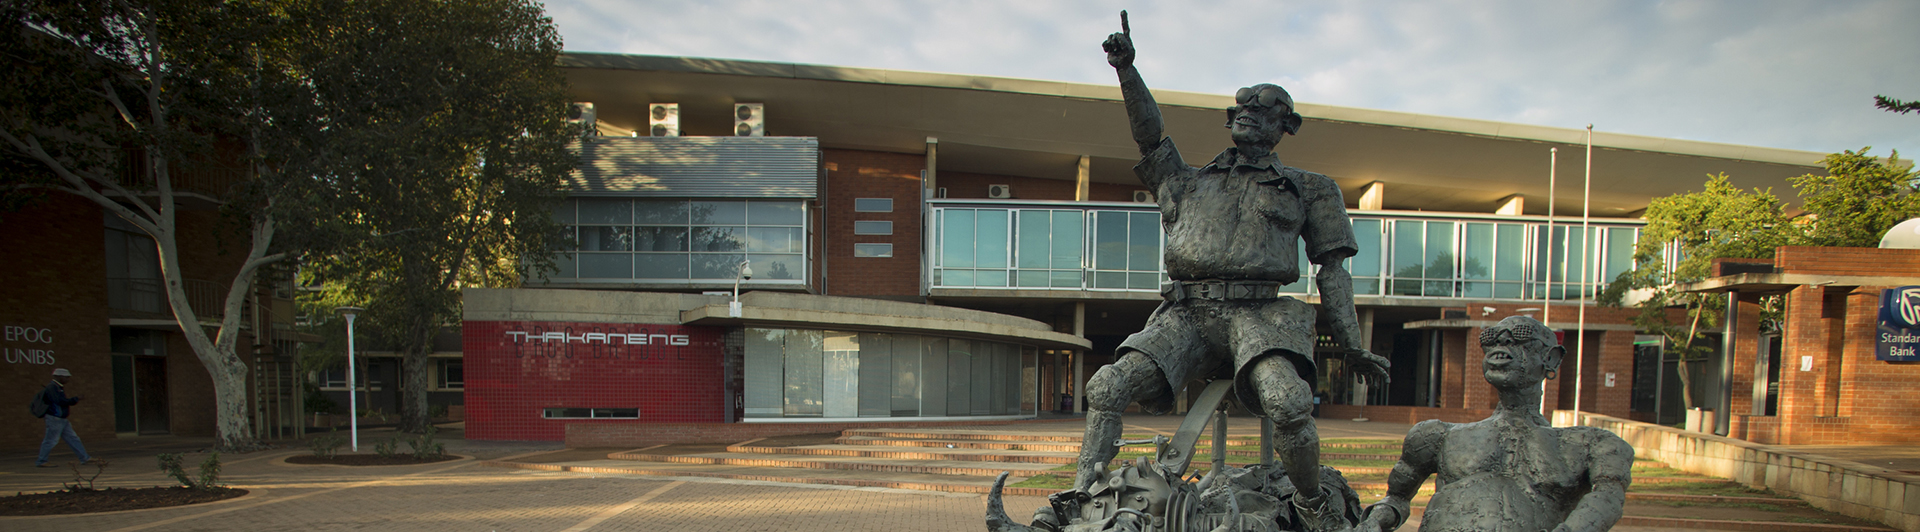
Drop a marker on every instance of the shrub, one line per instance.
(424, 447)
(326, 446)
(318, 403)
(170, 463)
(83, 481)
(210, 471)
(389, 448)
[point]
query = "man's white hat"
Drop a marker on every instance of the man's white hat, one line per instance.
(62, 372)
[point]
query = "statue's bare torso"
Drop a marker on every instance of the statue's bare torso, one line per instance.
(1512, 473)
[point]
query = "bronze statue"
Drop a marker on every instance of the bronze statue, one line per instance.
(1232, 230)
(1513, 470)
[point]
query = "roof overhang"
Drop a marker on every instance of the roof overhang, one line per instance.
(1776, 283)
(1040, 129)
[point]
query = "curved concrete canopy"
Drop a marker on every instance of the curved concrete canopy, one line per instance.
(1041, 128)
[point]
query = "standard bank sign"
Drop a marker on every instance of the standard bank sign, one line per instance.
(1898, 337)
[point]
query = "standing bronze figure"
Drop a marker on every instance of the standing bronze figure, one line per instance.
(1233, 227)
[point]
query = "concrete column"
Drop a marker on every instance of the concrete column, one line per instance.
(1514, 205)
(1366, 342)
(1079, 358)
(933, 166)
(1083, 181)
(1373, 197)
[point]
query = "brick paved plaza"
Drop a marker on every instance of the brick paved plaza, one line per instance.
(467, 496)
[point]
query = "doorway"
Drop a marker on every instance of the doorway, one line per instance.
(139, 381)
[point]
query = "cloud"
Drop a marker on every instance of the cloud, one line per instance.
(1797, 75)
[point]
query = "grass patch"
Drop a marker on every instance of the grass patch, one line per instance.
(1046, 481)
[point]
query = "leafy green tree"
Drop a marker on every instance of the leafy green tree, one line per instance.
(118, 101)
(1684, 234)
(1859, 199)
(454, 182)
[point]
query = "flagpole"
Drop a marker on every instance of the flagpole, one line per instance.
(1586, 239)
(1553, 168)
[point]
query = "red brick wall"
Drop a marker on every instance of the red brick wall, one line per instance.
(511, 378)
(55, 283)
(965, 185)
(1453, 372)
(1847, 261)
(1612, 353)
(1847, 396)
(1746, 349)
(853, 174)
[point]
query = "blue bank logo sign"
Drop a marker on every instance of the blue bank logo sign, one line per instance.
(1898, 337)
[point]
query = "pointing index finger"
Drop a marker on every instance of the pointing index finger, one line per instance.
(1123, 24)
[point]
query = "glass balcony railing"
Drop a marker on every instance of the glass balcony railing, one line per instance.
(1117, 246)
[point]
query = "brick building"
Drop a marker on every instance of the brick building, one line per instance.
(84, 293)
(1818, 379)
(1016, 198)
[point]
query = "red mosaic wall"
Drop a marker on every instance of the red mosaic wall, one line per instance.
(516, 369)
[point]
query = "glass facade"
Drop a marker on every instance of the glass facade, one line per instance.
(800, 373)
(1117, 247)
(668, 240)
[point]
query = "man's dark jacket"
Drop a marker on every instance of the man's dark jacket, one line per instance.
(57, 401)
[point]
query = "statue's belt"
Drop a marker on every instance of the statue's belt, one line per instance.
(1219, 290)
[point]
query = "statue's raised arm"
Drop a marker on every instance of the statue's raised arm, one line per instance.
(1142, 112)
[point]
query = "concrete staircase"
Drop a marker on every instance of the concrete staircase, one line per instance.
(967, 461)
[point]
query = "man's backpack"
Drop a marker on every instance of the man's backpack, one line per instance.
(39, 405)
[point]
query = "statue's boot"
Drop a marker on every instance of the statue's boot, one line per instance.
(1319, 513)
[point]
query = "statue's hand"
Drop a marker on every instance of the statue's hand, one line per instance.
(1372, 367)
(1119, 46)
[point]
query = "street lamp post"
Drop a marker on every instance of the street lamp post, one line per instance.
(746, 273)
(353, 405)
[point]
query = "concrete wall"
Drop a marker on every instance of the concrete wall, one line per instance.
(1852, 488)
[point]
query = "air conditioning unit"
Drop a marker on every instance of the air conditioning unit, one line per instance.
(580, 116)
(663, 119)
(749, 120)
(941, 193)
(1000, 191)
(1142, 196)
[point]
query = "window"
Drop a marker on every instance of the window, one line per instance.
(873, 205)
(590, 413)
(678, 240)
(1126, 250)
(452, 374)
(873, 250)
(872, 227)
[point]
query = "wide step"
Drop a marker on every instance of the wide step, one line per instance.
(879, 465)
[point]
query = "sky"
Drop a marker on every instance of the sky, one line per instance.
(1795, 75)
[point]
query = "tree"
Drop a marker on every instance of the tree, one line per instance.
(110, 99)
(1859, 200)
(1897, 106)
(454, 184)
(1684, 234)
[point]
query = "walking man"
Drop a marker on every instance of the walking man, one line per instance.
(59, 406)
